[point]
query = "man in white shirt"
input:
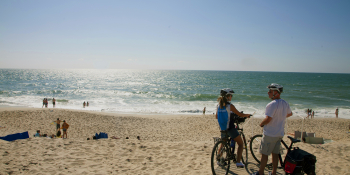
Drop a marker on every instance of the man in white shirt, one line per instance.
(276, 113)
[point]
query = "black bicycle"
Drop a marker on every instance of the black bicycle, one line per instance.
(223, 152)
(282, 156)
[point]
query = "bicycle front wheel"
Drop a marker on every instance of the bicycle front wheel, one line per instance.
(255, 149)
(220, 159)
(245, 150)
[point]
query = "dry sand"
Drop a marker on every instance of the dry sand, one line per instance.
(169, 144)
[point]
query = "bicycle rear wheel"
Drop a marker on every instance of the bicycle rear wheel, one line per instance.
(220, 159)
(255, 149)
(245, 150)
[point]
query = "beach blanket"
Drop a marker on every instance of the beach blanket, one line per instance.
(12, 137)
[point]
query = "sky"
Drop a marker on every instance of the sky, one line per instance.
(234, 35)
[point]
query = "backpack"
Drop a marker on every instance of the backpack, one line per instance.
(234, 118)
(298, 161)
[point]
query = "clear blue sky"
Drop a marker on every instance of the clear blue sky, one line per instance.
(292, 36)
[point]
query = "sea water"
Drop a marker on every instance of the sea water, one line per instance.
(173, 91)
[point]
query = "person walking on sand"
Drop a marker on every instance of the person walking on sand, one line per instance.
(204, 111)
(53, 102)
(87, 104)
(84, 104)
(64, 127)
(277, 111)
(223, 112)
(336, 113)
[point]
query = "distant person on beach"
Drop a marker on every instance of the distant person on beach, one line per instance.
(53, 102)
(84, 104)
(313, 114)
(204, 111)
(65, 126)
(336, 113)
(308, 113)
(58, 121)
(223, 112)
(37, 134)
(87, 104)
(43, 103)
(46, 102)
(276, 113)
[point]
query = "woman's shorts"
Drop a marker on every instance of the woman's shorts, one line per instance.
(233, 133)
(270, 145)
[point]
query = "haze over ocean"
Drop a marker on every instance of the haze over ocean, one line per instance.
(172, 91)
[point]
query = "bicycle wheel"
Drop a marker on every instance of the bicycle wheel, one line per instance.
(220, 161)
(255, 147)
(245, 150)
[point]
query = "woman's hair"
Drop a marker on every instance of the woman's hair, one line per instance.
(223, 100)
(58, 133)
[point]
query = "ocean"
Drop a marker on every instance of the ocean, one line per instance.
(173, 91)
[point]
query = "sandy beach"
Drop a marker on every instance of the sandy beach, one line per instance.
(170, 144)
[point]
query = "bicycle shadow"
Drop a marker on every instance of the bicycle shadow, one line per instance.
(233, 170)
(254, 167)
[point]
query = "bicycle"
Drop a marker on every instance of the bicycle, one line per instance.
(255, 145)
(223, 153)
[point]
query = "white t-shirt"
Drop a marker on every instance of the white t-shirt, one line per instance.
(277, 110)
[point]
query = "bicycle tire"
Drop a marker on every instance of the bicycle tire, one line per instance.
(245, 150)
(223, 158)
(255, 147)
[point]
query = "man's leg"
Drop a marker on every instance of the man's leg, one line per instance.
(263, 163)
(274, 163)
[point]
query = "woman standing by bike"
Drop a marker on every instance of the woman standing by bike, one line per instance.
(223, 112)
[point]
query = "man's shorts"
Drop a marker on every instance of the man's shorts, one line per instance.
(64, 130)
(233, 133)
(270, 145)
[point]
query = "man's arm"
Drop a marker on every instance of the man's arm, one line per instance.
(266, 121)
(288, 115)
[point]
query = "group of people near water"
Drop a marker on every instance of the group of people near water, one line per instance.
(46, 103)
(311, 113)
(85, 104)
(277, 111)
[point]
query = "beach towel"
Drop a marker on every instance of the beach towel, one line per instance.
(12, 137)
(102, 135)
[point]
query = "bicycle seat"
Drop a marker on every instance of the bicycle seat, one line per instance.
(293, 139)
